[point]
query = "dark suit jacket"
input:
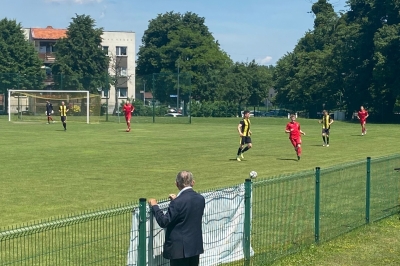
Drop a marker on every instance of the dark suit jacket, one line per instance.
(183, 221)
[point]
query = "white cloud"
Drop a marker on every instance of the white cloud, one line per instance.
(74, 1)
(265, 60)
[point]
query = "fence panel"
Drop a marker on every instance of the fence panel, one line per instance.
(342, 206)
(100, 238)
(385, 187)
(283, 216)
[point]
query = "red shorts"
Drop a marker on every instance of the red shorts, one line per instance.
(362, 122)
(128, 117)
(295, 141)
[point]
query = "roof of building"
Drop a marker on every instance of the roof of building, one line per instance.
(48, 33)
(148, 95)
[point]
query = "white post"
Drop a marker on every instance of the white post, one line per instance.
(87, 107)
(9, 106)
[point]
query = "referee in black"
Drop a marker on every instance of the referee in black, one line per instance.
(63, 114)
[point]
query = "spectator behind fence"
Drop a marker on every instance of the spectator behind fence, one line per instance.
(183, 221)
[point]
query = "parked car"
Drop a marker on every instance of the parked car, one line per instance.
(257, 113)
(251, 113)
(174, 114)
(277, 113)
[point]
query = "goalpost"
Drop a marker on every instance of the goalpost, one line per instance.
(30, 105)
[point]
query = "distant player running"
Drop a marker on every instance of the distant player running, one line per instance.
(362, 115)
(294, 131)
(128, 109)
(49, 111)
(326, 126)
(244, 133)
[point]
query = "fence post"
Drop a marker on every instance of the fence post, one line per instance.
(368, 191)
(317, 201)
(142, 232)
(247, 220)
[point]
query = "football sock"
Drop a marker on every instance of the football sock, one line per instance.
(65, 125)
(245, 149)
(298, 151)
(327, 139)
(323, 138)
(239, 151)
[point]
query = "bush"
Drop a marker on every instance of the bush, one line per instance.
(213, 109)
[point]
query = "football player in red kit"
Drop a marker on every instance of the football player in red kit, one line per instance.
(294, 131)
(362, 115)
(128, 109)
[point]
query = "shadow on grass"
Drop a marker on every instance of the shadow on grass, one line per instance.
(286, 159)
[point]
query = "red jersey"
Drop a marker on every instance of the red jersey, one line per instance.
(128, 109)
(294, 129)
(362, 115)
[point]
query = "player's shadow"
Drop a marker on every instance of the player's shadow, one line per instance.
(286, 159)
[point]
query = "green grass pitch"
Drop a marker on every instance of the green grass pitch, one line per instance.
(46, 172)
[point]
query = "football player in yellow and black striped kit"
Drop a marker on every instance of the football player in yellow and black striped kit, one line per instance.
(63, 109)
(244, 133)
(326, 126)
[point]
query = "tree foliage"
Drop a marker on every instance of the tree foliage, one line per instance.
(19, 62)
(347, 60)
(80, 58)
(174, 41)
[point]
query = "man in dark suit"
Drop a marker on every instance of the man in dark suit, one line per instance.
(183, 221)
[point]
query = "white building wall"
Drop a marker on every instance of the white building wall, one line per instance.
(114, 39)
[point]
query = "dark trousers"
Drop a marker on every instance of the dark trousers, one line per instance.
(192, 261)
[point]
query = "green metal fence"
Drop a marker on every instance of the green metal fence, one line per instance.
(281, 216)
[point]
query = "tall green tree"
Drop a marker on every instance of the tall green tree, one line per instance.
(20, 66)
(261, 83)
(183, 41)
(80, 61)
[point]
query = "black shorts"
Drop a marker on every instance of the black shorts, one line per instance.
(63, 119)
(48, 113)
(245, 140)
(325, 130)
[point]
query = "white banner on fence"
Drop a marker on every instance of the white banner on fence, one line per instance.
(223, 228)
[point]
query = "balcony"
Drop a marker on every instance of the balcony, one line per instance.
(48, 57)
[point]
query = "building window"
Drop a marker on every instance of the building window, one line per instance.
(123, 92)
(121, 50)
(46, 47)
(123, 72)
(105, 94)
(105, 49)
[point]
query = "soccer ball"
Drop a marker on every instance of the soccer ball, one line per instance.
(253, 174)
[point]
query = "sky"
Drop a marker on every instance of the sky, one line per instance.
(263, 30)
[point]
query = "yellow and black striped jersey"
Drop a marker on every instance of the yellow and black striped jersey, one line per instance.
(326, 119)
(63, 110)
(245, 129)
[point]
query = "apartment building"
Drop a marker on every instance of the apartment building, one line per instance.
(120, 47)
